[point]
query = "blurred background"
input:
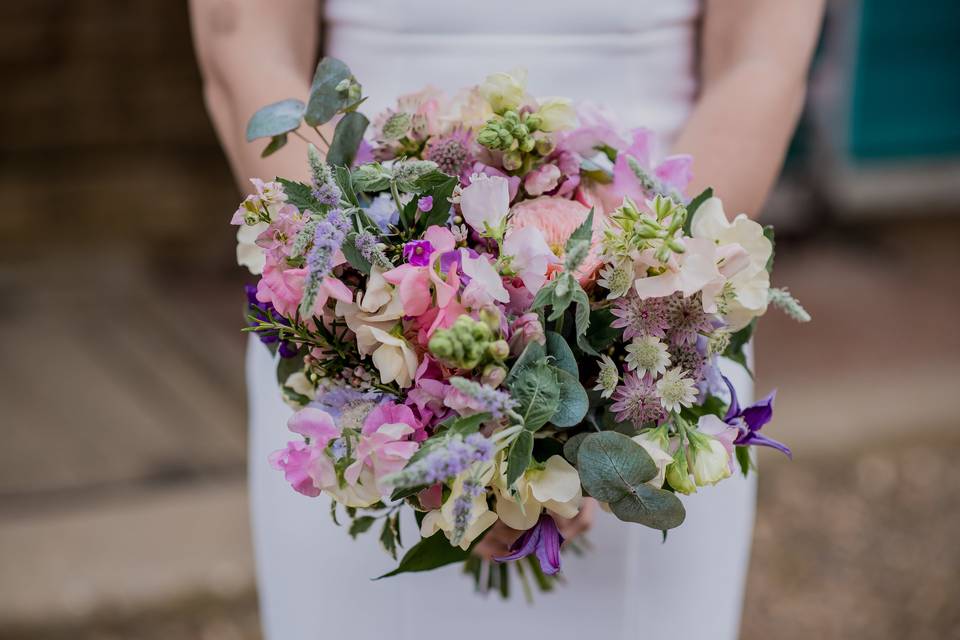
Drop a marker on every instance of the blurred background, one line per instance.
(122, 497)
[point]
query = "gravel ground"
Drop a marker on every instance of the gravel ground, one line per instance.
(861, 546)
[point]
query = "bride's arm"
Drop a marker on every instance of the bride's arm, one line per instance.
(753, 63)
(252, 53)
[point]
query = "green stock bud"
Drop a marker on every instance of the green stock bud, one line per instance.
(396, 126)
(464, 345)
(512, 160)
(533, 121)
(678, 473)
(527, 144)
(489, 136)
(545, 145)
(499, 350)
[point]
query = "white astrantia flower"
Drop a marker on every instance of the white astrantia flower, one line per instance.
(608, 377)
(555, 486)
(676, 389)
(648, 355)
(617, 278)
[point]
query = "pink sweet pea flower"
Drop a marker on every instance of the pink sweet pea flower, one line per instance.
(283, 288)
(414, 282)
(486, 285)
(296, 462)
(305, 466)
(531, 255)
(384, 446)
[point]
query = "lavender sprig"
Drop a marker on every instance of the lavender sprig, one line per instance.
(444, 463)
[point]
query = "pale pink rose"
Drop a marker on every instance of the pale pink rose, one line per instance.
(557, 219)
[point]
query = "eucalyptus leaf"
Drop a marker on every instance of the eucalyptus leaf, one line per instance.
(532, 353)
(275, 119)
(573, 401)
(521, 452)
(429, 553)
(572, 446)
(615, 469)
(286, 367)
(537, 390)
(276, 143)
(346, 139)
(325, 100)
(562, 354)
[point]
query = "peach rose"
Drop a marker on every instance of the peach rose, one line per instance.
(557, 219)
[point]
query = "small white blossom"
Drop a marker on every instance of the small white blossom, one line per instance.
(608, 377)
(648, 354)
(675, 389)
(617, 278)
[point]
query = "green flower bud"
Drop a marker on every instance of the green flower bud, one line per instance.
(533, 121)
(489, 137)
(545, 145)
(678, 473)
(512, 160)
(527, 144)
(499, 350)
(396, 126)
(464, 345)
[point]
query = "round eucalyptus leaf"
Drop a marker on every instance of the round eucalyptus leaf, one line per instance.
(325, 100)
(346, 139)
(562, 354)
(275, 119)
(573, 401)
(611, 465)
(651, 507)
(572, 445)
(534, 352)
(537, 390)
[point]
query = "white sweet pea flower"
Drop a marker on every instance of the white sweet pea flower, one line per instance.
(485, 286)
(555, 487)
(656, 446)
(394, 358)
(479, 519)
(531, 256)
(505, 91)
(485, 203)
(750, 282)
(556, 114)
(249, 255)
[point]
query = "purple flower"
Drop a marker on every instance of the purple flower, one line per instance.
(544, 540)
(425, 203)
(638, 317)
(636, 401)
(417, 252)
(687, 319)
(750, 420)
(265, 311)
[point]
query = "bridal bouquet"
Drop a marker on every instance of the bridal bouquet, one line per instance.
(489, 306)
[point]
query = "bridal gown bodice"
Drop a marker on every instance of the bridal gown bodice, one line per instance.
(637, 58)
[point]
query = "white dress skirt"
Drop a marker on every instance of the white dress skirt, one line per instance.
(638, 59)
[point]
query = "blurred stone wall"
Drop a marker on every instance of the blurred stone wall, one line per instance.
(104, 135)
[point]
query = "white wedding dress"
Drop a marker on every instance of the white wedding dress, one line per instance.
(638, 58)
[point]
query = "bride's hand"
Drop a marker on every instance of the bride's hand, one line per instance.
(498, 540)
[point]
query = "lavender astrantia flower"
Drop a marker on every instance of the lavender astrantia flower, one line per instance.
(690, 358)
(265, 311)
(446, 461)
(452, 153)
(750, 420)
(687, 319)
(486, 399)
(417, 252)
(636, 401)
(639, 318)
(544, 540)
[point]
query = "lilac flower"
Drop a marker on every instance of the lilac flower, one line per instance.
(750, 420)
(636, 401)
(417, 252)
(639, 318)
(264, 311)
(425, 203)
(687, 319)
(544, 540)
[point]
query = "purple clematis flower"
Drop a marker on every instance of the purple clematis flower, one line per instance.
(544, 540)
(750, 420)
(265, 311)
